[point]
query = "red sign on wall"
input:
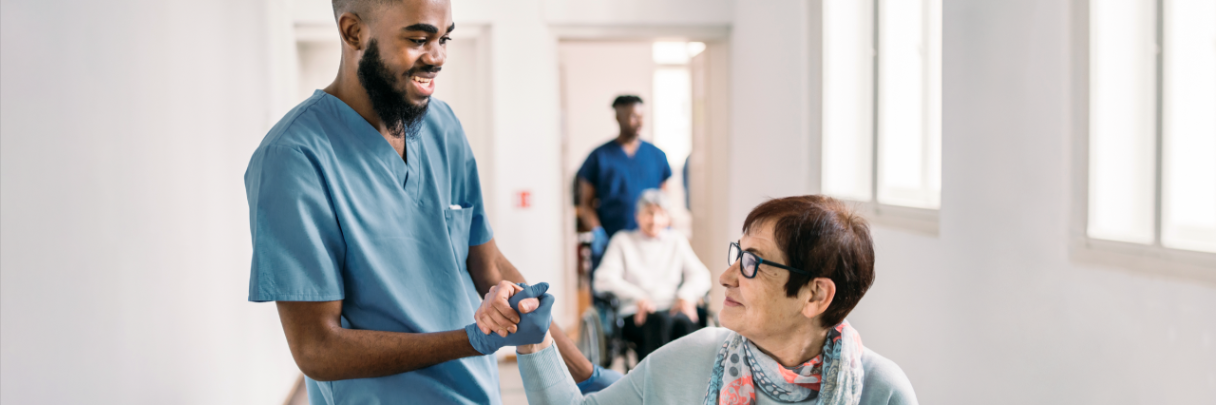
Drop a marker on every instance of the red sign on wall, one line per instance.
(524, 200)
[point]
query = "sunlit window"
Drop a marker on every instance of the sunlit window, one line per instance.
(1122, 119)
(882, 101)
(848, 87)
(1152, 123)
(1189, 129)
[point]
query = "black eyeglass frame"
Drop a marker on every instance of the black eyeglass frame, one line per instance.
(759, 261)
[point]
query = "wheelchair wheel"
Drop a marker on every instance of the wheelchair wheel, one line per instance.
(592, 341)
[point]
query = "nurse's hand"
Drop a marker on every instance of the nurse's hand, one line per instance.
(533, 327)
(495, 314)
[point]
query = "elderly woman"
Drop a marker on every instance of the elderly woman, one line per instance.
(656, 276)
(801, 265)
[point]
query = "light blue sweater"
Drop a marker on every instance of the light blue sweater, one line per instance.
(678, 373)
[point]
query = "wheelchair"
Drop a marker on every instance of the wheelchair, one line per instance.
(601, 335)
(602, 330)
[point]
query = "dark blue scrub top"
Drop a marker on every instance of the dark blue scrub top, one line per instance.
(336, 214)
(620, 179)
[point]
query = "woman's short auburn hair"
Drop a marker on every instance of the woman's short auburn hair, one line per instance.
(827, 239)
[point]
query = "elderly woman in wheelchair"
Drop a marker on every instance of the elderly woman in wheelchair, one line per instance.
(800, 266)
(655, 277)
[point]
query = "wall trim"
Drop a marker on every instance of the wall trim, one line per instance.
(583, 32)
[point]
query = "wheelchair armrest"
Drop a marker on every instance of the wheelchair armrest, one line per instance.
(606, 298)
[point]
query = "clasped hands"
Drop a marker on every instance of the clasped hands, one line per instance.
(511, 315)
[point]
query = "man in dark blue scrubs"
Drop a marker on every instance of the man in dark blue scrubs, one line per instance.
(616, 173)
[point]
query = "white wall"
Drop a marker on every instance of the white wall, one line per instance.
(127, 126)
(771, 153)
(318, 66)
(638, 12)
(593, 74)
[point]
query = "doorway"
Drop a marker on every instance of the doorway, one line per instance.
(684, 83)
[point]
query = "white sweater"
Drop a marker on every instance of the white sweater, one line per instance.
(638, 267)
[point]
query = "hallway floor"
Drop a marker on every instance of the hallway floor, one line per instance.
(510, 384)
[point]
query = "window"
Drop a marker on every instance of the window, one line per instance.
(882, 102)
(1152, 124)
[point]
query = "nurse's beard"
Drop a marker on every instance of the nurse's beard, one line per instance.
(398, 114)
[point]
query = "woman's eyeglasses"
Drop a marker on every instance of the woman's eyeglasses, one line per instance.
(749, 263)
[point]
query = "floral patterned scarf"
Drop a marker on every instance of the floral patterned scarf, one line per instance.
(834, 377)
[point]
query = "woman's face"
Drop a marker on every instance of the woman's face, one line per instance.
(758, 307)
(652, 220)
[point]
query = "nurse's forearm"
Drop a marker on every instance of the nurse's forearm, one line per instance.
(586, 211)
(325, 351)
(589, 218)
(364, 354)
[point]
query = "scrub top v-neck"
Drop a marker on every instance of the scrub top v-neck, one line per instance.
(336, 214)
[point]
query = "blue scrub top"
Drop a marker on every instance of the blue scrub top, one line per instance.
(337, 215)
(620, 179)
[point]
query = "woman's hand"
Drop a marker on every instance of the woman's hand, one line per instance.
(529, 349)
(688, 308)
(645, 307)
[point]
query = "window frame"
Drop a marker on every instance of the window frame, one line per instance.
(1152, 258)
(916, 219)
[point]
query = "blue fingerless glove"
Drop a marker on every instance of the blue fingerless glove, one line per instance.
(599, 243)
(600, 378)
(531, 328)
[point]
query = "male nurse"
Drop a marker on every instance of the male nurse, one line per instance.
(616, 173)
(370, 234)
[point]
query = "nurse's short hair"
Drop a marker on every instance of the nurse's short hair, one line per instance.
(361, 8)
(826, 238)
(626, 100)
(655, 197)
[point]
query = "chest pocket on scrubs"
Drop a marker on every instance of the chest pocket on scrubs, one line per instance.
(459, 221)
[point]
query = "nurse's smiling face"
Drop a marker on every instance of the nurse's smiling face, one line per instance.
(411, 36)
(393, 51)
